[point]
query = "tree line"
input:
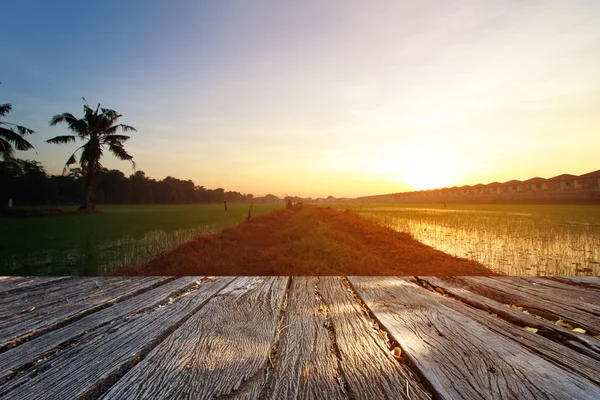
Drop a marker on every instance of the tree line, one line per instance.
(26, 182)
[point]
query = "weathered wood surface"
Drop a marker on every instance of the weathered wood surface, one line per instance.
(19, 357)
(95, 360)
(223, 348)
(585, 281)
(545, 301)
(27, 314)
(582, 343)
(297, 338)
(19, 283)
(567, 358)
(459, 357)
(331, 350)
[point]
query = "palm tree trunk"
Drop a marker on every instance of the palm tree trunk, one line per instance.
(89, 188)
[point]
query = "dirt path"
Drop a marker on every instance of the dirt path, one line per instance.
(307, 241)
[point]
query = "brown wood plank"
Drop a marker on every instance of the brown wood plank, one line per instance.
(95, 360)
(585, 344)
(25, 315)
(329, 350)
(10, 284)
(547, 302)
(564, 357)
(459, 357)
(18, 358)
(591, 282)
(223, 350)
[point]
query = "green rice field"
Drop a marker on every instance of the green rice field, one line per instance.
(92, 244)
(509, 239)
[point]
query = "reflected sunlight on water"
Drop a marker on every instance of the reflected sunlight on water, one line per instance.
(509, 242)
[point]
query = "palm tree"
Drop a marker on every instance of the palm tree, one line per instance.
(98, 130)
(13, 136)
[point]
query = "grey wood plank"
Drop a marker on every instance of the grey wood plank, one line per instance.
(223, 350)
(592, 282)
(585, 344)
(370, 371)
(564, 357)
(546, 302)
(328, 349)
(28, 314)
(10, 284)
(96, 360)
(20, 357)
(306, 365)
(459, 357)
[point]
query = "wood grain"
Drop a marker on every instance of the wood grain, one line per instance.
(371, 372)
(222, 350)
(91, 364)
(24, 315)
(459, 357)
(592, 282)
(38, 348)
(547, 302)
(585, 344)
(566, 358)
(9, 284)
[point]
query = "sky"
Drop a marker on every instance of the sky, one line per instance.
(316, 98)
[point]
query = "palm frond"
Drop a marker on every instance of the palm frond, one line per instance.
(72, 160)
(122, 127)
(6, 149)
(64, 117)
(25, 131)
(111, 114)
(117, 139)
(119, 152)
(62, 139)
(5, 109)
(15, 139)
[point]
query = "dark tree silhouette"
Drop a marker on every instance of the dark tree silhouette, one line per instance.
(97, 130)
(12, 136)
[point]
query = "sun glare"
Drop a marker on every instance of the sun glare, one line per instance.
(418, 167)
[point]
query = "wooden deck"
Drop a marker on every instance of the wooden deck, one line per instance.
(299, 338)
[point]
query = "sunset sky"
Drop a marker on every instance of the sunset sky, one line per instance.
(316, 98)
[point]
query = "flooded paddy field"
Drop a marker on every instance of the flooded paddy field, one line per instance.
(509, 239)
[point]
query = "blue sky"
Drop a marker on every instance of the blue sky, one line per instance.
(317, 98)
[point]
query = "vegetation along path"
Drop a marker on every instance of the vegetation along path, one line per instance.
(307, 241)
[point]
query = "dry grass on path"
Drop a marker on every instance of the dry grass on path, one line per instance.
(307, 241)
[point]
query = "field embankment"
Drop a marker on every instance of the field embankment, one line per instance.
(307, 241)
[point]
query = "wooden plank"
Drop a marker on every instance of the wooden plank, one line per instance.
(10, 284)
(329, 351)
(546, 302)
(20, 357)
(371, 372)
(564, 357)
(585, 344)
(306, 365)
(223, 350)
(25, 315)
(591, 282)
(97, 359)
(459, 357)
(555, 291)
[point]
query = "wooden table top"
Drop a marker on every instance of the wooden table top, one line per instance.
(300, 337)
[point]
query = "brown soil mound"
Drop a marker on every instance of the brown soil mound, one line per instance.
(307, 241)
